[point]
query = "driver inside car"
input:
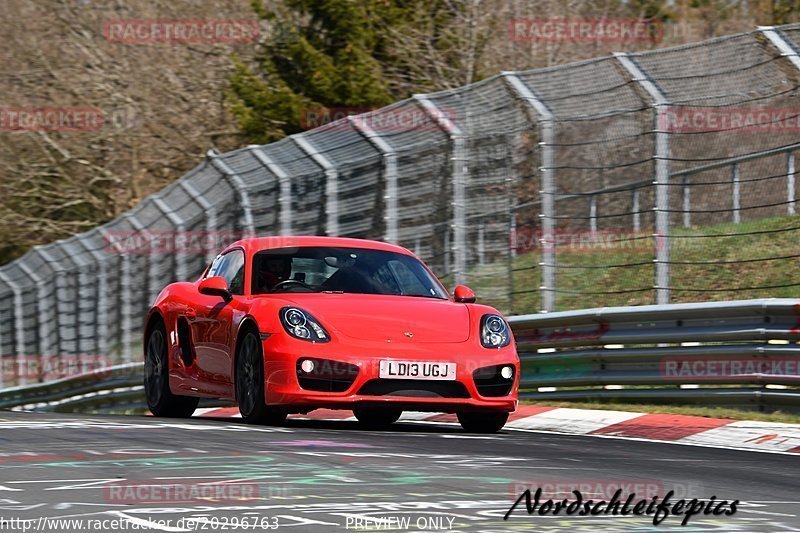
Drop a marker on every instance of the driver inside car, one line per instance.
(274, 270)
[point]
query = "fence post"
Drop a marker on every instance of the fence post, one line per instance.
(513, 231)
(737, 217)
(446, 258)
(42, 299)
(101, 331)
(548, 191)
(238, 185)
(780, 43)
(19, 324)
(180, 228)
(459, 176)
(59, 270)
(2, 365)
(481, 244)
(789, 52)
(687, 202)
(74, 304)
(59, 273)
(126, 311)
(390, 174)
(790, 191)
(82, 280)
(593, 216)
(2, 355)
(127, 304)
(207, 207)
(661, 182)
(331, 183)
(284, 184)
(635, 208)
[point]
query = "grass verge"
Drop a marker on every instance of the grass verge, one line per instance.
(716, 262)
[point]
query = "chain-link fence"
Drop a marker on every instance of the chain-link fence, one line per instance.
(629, 179)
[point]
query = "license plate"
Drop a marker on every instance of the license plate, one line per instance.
(417, 370)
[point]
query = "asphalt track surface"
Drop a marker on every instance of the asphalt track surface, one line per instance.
(333, 476)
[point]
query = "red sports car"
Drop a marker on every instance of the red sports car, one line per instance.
(290, 324)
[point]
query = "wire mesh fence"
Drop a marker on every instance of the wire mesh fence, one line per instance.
(630, 179)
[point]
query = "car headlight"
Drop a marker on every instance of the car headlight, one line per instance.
(301, 325)
(494, 332)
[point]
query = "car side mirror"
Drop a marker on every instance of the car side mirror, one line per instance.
(464, 295)
(215, 286)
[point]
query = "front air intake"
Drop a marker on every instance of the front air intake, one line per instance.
(412, 388)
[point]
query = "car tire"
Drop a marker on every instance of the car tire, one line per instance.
(482, 422)
(377, 418)
(250, 383)
(160, 399)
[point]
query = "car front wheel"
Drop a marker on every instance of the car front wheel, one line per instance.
(250, 384)
(482, 422)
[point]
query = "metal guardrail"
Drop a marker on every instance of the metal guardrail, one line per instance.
(723, 353)
(120, 400)
(116, 389)
(64, 391)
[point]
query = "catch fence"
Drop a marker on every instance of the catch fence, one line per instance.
(642, 178)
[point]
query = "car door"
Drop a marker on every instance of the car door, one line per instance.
(212, 327)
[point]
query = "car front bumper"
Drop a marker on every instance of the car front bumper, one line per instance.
(283, 388)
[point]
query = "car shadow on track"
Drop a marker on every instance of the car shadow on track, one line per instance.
(350, 425)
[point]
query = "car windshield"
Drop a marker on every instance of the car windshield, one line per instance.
(342, 270)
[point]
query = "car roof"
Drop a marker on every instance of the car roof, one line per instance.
(257, 244)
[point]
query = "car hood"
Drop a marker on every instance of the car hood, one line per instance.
(395, 318)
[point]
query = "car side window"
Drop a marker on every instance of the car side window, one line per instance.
(214, 267)
(230, 267)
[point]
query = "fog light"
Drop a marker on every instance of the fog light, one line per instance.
(507, 372)
(307, 366)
